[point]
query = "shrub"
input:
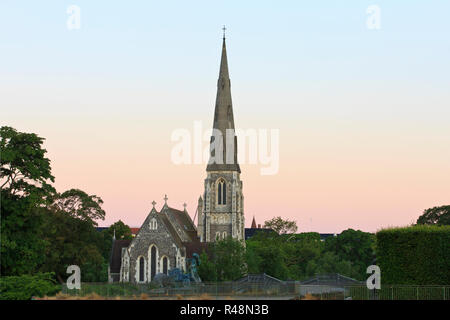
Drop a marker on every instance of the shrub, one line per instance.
(417, 255)
(26, 286)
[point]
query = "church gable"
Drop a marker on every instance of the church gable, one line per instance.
(156, 229)
(157, 248)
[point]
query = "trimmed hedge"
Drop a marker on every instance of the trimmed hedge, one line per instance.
(26, 286)
(416, 255)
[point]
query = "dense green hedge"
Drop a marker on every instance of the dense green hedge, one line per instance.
(27, 286)
(417, 255)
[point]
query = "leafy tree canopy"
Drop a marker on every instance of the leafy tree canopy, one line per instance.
(225, 262)
(24, 169)
(354, 246)
(436, 215)
(79, 204)
(121, 230)
(281, 226)
(25, 177)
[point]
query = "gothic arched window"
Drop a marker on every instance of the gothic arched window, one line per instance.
(153, 224)
(165, 265)
(224, 235)
(153, 262)
(221, 192)
(141, 269)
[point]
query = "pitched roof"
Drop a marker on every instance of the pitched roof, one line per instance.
(116, 254)
(176, 238)
(183, 221)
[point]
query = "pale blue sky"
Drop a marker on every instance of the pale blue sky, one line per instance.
(283, 40)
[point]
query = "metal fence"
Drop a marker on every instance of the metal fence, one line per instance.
(263, 290)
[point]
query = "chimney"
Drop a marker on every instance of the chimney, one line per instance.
(259, 226)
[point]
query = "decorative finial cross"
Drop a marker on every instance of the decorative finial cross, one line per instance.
(153, 203)
(165, 199)
(224, 29)
(184, 205)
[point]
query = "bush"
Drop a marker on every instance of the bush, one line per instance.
(417, 255)
(26, 286)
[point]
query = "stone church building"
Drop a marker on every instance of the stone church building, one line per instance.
(169, 237)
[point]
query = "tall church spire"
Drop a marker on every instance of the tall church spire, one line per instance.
(221, 211)
(224, 121)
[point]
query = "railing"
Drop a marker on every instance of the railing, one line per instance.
(255, 290)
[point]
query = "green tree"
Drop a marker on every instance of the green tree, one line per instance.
(25, 287)
(24, 169)
(121, 230)
(436, 215)
(70, 240)
(79, 204)
(25, 177)
(354, 246)
(207, 270)
(226, 261)
(299, 253)
(329, 262)
(265, 255)
(71, 237)
(281, 226)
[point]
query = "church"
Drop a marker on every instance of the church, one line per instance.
(169, 237)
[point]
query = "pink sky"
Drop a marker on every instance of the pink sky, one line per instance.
(362, 171)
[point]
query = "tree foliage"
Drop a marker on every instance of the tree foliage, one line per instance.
(354, 246)
(25, 177)
(121, 230)
(24, 169)
(301, 256)
(418, 255)
(25, 287)
(79, 204)
(43, 230)
(436, 215)
(225, 261)
(70, 240)
(281, 226)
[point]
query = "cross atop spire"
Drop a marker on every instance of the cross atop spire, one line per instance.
(184, 205)
(153, 204)
(224, 29)
(165, 199)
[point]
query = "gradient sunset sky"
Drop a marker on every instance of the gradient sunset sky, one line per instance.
(363, 115)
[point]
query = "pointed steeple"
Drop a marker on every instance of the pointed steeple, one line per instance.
(223, 120)
(253, 223)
